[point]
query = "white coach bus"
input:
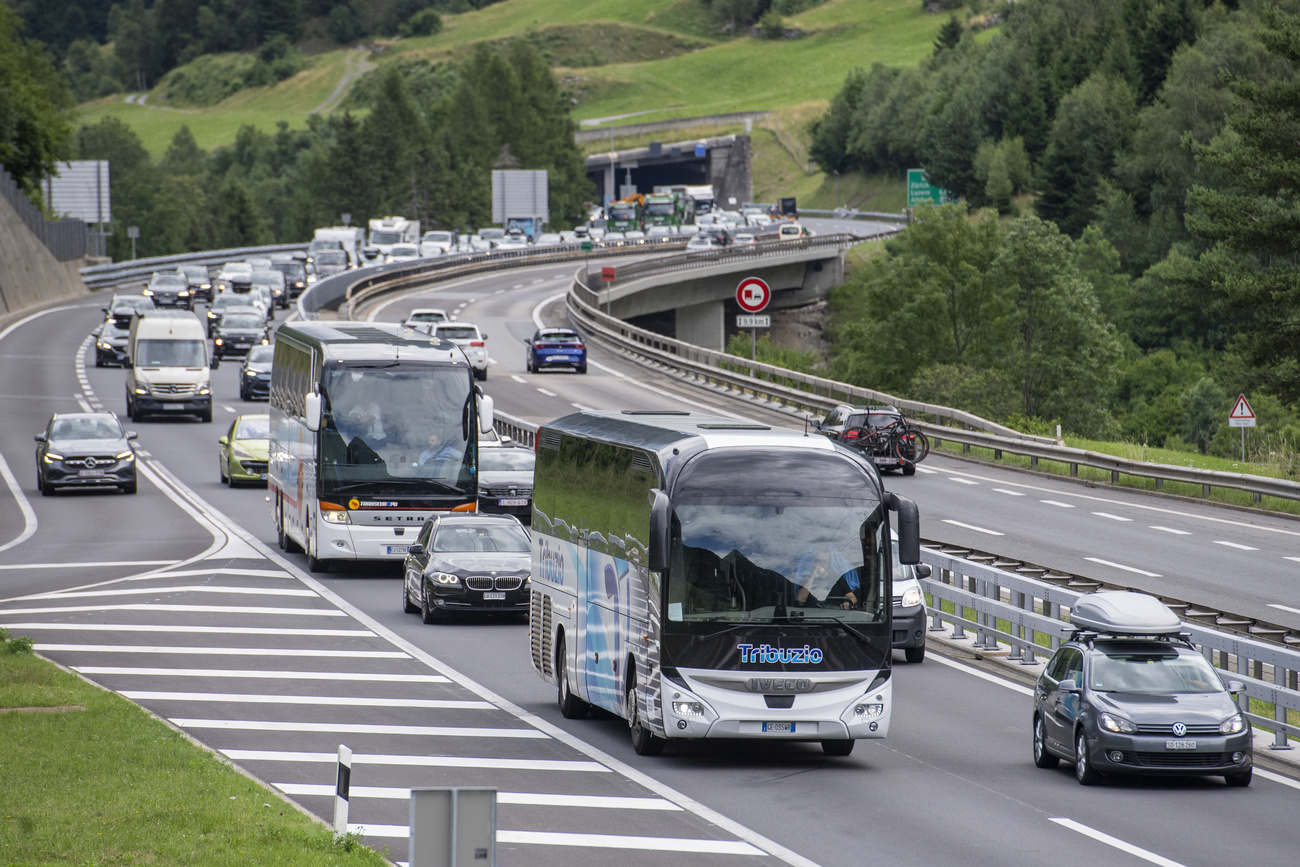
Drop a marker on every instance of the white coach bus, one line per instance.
(705, 578)
(374, 428)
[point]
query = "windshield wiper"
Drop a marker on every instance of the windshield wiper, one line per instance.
(378, 486)
(866, 639)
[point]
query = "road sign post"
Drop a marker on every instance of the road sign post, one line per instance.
(752, 295)
(1242, 416)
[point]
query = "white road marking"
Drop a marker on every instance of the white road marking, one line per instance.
(517, 378)
(1057, 503)
(258, 725)
(203, 588)
(528, 799)
(538, 280)
(327, 700)
(585, 841)
(1170, 530)
(1008, 492)
(1276, 778)
(983, 675)
(499, 292)
(1236, 545)
(421, 761)
(961, 481)
(1117, 843)
(223, 651)
(926, 470)
(1286, 608)
(95, 565)
(205, 630)
(581, 407)
(192, 573)
(548, 393)
(185, 609)
(1132, 569)
(229, 409)
(1111, 517)
(973, 527)
(1292, 559)
(517, 286)
(263, 675)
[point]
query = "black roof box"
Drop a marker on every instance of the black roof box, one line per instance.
(1122, 612)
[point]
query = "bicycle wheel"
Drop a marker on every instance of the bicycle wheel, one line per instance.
(911, 446)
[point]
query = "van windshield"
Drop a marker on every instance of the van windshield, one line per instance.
(171, 353)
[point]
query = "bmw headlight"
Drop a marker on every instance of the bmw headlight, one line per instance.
(1113, 723)
(912, 597)
(1232, 725)
(446, 578)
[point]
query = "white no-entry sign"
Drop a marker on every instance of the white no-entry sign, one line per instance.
(752, 295)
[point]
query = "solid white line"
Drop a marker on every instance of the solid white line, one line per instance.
(1009, 493)
(926, 470)
(1117, 843)
(196, 588)
(548, 393)
(335, 700)
(185, 609)
(262, 675)
(421, 761)
(1239, 547)
(527, 799)
(359, 729)
(1286, 608)
(207, 630)
(93, 565)
(1171, 530)
(518, 378)
(983, 675)
(1132, 569)
(1057, 503)
(1276, 778)
(222, 651)
(582, 407)
(611, 841)
(1111, 517)
(962, 481)
(973, 527)
(1292, 559)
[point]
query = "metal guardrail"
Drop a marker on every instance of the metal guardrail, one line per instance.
(766, 248)
(102, 276)
(66, 239)
(1023, 613)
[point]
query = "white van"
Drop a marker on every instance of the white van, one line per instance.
(168, 364)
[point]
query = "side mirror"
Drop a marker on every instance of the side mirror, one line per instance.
(923, 570)
(1236, 687)
(222, 441)
(132, 435)
(312, 409)
(660, 521)
(486, 414)
(216, 361)
(909, 529)
(1068, 685)
(415, 550)
(40, 438)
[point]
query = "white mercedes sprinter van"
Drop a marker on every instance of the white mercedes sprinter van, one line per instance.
(168, 366)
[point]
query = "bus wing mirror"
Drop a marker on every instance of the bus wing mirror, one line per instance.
(215, 362)
(486, 414)
(909, 529)
(312, 411)
(660, 517)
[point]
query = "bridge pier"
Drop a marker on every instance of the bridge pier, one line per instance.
(703, 324)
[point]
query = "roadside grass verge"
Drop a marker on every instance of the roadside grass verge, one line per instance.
(106, 783)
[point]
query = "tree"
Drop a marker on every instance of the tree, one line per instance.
(830, 132)
(949, 35)
(35, 104)
(1254, 225)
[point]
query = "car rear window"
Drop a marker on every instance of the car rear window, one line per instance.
(559, 337)
(458, 333)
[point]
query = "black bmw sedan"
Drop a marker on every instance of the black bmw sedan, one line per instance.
(469, 563)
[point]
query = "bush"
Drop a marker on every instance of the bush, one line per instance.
(342, 24)
(426, 22)
(771, 25)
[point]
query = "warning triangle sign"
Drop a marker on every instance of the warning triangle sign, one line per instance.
(1242, 408)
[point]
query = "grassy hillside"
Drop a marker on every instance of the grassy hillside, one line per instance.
(697, 71)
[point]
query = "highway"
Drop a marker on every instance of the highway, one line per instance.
(178, 598)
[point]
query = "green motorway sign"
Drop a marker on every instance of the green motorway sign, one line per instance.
(921, 192)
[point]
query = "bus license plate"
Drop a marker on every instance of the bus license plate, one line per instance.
(1180, 745)
(397, 549)
(520, 501)
(494, 594)
(782, 728)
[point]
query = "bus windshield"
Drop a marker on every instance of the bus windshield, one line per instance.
(397, 429)
(805, 542)
(659, 209)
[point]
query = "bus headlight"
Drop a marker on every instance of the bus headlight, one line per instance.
(868, 710)
(332, 513)
(688, 709)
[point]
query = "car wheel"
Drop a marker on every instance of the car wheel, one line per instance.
(909, 469)
(1238, 780)
(571, 707)
(528, 365)
(46, 489)
(915, 654)
(481, 374)
(838, 748)
(427, 613)
(221, 467)
(408, 607)
(99, 362)
(1042, 758)
(582, 368)
(206, 415)
(644, 741)
(131, 487)
(1084, 772)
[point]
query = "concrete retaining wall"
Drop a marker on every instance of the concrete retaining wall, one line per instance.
(29, 274)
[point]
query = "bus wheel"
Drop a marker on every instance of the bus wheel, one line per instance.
(571, 707)
(644, 741)
(838, 748)
(314, 564)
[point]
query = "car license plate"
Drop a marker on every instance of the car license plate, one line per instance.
(173, 406)
(782, 728)
(264, 477)
(557, 358)
(91, 474)
(1180, 745)
(494, 595)
(392, 549)
(520, 501)
(885, 460)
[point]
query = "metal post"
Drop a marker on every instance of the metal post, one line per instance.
(341, 790)
(753, 344)
(1243, 445)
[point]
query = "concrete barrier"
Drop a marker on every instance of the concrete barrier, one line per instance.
(29, 273)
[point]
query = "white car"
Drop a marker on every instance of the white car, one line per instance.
(568, 237)
(660, 231)
(596, 233)
(744, 239)
(491, 236)
(513, 242)
(547, 239)
(228, 271)
(424, 318)
(471, 341)
(758, 220)
(403, 253)
(636, 236)
(613, 239)
(436, 243)
(732, 218)
(701, 242)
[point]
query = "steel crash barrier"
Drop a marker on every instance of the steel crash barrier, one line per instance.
(1030, 618)
(103, 276)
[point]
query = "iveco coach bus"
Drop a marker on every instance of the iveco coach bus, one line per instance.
(374, 427)
(705, 578)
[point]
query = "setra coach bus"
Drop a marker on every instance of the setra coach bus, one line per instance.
(708, 578)
(374, 427)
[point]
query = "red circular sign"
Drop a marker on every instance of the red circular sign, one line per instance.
(752, 295)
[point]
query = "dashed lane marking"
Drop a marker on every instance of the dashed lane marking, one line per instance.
(179, 609)
(1110, 517)
(1170, 530)
(518, 378)
(1236, 545)
(959, 480)
(1057, 503)
(194, 630)
(1122, 567)
(1009, 492)
(548, 393)
(973, 527)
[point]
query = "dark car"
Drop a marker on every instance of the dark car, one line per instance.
(85, 450)
(229, 302)
(328, 262)
(295, 274)
(170, 290)
(854, 426)
(505, 481)
(255, 374)
(111, 339)
(1128, 693)
(555, 347)
(129, 305)
(238, 332)
(199, 280)
(468, 563)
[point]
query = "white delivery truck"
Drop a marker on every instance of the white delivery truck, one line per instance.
(388, 232)
(168, 366)
(352, 238)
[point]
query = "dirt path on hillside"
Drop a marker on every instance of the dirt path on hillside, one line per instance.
(356, 65)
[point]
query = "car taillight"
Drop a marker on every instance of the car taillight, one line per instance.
(476, 343)
(579, 346)
(851, 435)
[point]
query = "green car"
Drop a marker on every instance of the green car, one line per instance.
(243, 450)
